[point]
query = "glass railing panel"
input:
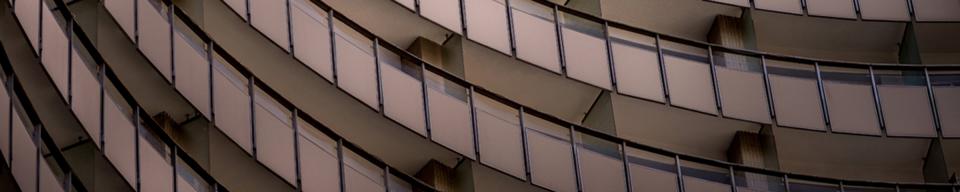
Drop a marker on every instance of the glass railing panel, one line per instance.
(905, 102)
(355, 66)
(487, 21)
(742, 90)
(274, 136)
(811, 186)
(796, 95)
(402, 91)
(24, 161)
(118, 139)
(189, 181)
(55, 49)
(689, 77)
(5, 123)
(742, 3)
(652, 172)
(123, 12)
(637, 63)
(361, 175)
(832, 8)
(848, 188)
(924, 189)
(399, 185)
(850, 100)
(704, 178)
(601, 164)
(891, 10)
(535, 34)
(270, 17)
(231, 104)
(86, 97)
(937, 10)
(786, 6)
(192, 71)
(50, 173)
(500, 138)
(585, 48)
(550, 154)
(450, 119)
(311, 29)
(154, 160)
(318, 160)
(756, 182)
(444, 12)
(239, 6)
(946, 89)
(154, 37)
(409, 4)
(27, 13)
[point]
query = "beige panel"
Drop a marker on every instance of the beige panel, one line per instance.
(550, 155)
(403, 98)
(743, 95)
(318, 166)
(894, 10)
(788, 6)
(651, 172)
(498, 129)
(238, 6)
(156, 163)
(487, 21)
(54, 56)
(155, 36)
(536, 39)
(356, 71)
(4, 123)
(409, 4)
(906, 111)
(311, 37)
(797, 102)
(832, 8)
(937, 10)
(123, 13)
(26, 11)
(270, 18)
(637, 65)
(694, 184)
(86, 98)
(274, 141)
(185, 186)
(586, 57)
(192, 71)
(948, 106)
(450, 122)
(49, 182)
(232, 107)
(601, 170)
(119, 139)
(443, 12)
(361, 175)
(852, 108)
(742, 3)
(24, 156)
(690, 84)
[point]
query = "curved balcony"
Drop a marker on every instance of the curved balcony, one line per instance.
(871, 10)
(519, 141)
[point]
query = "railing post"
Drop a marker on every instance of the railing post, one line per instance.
(376, 64)
(333, 45)
(933, 102)
(786, 182)
(426, 99)
(733, 178)
(526, 148)
(610, 60)
(876, 101)
(626, 166)
(823, 97)
(473, 123)
(576, 159)
(713, 78)
(676, 161)
(340, 164)
(253, 115)
(558, 30)
(136, 133)
(296, 147)
(512, 34)
(768, 90)
(663, 71)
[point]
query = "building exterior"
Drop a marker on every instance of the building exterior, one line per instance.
(480, 95)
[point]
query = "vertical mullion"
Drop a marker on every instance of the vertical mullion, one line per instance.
(70, 61)
(340, 164)
(876, 101)
(38, 155)
(768, 90)
(559, 32)
(733, 178)
(676, 161)
(933, 102)
(473, 119)
(842, 186)
(576, 159)
(100, 74)
(289, 27)
(626, 166)
(333, 44)
(610, 61)
(512, 34)
(526, 150)
(786, 182)
(296, 148)
(253, 115)
(136, 144)
(716, 86)
(463, 18)
(376, 64)
(663, 72)
(386, 178)
(426, 99)
(823, 97)
(173, 55)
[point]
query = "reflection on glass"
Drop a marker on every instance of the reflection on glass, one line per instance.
(585, 50)
(905, 102)
(310, 29)
(535, 34)
(154, 37)
(850, 100)
(355, 67)
(755, 182)
(274, 136)
(704, 178)
(498, 129)
(550, 154)
(651, 172)
(946, 90)
(796, 96)
(638, 68)
(832, 8)
(450, 120)
(318, 159)
(444, 12)
(402, 91)
(688, 77)
(488, 23)
(742, 92)
(601, 164)
(270, 18)
(232, 104)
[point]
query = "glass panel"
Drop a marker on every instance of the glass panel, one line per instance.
(755, 182)
(399, 185)
(498, 129)
(810, 186)
(742, 3)
(310, 26)
(651, 172)
(444, 12)
(402, 92)
(318, 160)
(850, 100)
(409, 4)
(787, 6)
(270, 18)
(188, 180)
(894, 10)
(742, 91)
(86, 98)
(450, 120)
(796, 96)
(49, 180)
(488, 23)
(702, 178)
(193, 72)
(585, 49)
(123, 13)
(4, 123)
(356, 70)
(361, 175)
(937, 10)
(550, 155)
(832, 8)
(848, 188)
(601, 164)
(638, 68)
(54, 56)
(688, 77)
(155, 160)
(946, 89)
(238, 6)
(274, 136)
(924, 189)
(24, 155)
(232, 104)
(535, 34)
(155, 35)
(118, 139)
(30, 21)
(905, 102)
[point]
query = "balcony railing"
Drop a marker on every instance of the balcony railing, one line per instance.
(514, 139)
(873, 10)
